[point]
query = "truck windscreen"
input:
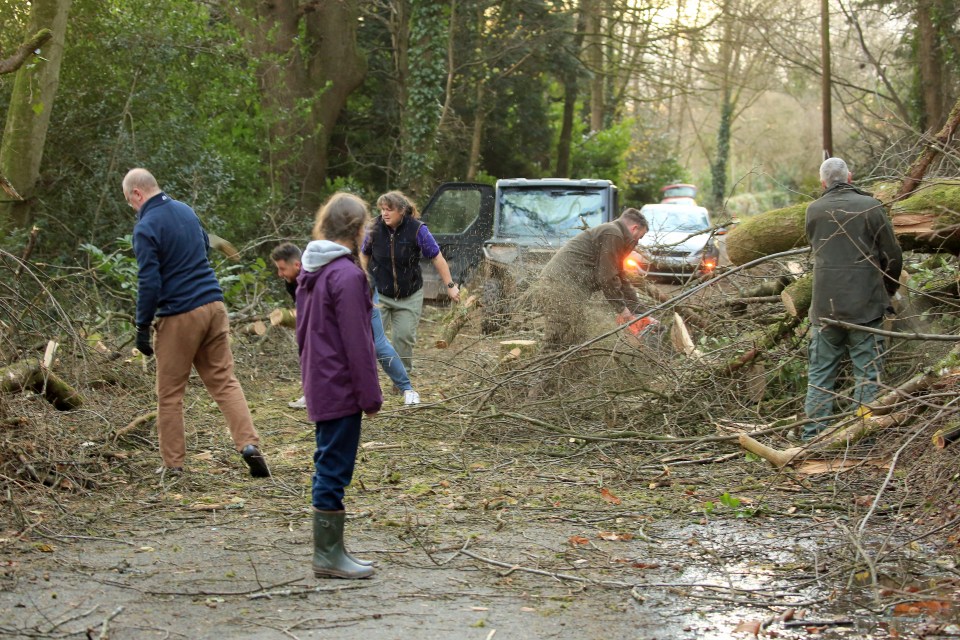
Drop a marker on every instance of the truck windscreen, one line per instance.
(545, 212)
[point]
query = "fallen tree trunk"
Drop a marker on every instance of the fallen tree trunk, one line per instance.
(21, 376)
(927, 221)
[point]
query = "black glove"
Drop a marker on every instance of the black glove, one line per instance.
(143, 341)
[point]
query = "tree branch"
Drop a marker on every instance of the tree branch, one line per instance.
(14, 62)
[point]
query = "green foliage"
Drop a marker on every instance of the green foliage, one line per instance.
(243, 283)
(429, 23)
(183, 103)
(602, 154)
(117, 269)
(731, 503)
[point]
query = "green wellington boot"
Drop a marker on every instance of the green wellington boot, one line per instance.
(329, 558)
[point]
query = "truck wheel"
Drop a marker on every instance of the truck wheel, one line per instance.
(494, 316)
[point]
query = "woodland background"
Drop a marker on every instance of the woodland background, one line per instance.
(254, 111)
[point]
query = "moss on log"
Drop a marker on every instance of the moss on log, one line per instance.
(23, 375)
(771, 232)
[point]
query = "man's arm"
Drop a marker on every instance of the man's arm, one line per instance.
(891, 255)
(609, 273)
(148, 276)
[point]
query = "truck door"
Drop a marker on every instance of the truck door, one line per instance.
(460, 217)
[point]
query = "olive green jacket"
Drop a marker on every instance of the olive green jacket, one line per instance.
(593, 261)
(856, 258)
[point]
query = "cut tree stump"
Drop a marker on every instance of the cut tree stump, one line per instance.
(284, 318)
(21, 376)
(942, 439)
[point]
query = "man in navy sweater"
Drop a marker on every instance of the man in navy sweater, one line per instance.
(177, 285)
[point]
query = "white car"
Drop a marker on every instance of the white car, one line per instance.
(680, 242)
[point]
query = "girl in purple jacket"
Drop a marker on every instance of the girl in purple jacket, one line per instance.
(339, 368)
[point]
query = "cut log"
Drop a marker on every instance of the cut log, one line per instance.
(21, 376)
(523, 347)
(943, 438)
(927, 221)
(224, 247)
(257, 328)
(796, 297)
(460, 314)
(284, 318)
(681, 340)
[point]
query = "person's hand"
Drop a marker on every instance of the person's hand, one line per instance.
(625, 316)
(454, 292)
(144, 345)
(370, 414)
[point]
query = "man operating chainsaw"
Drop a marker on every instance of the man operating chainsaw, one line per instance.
(591, 261)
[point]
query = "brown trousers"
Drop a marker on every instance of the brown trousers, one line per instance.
(198, 338)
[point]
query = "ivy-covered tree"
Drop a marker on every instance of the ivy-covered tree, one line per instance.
(28, 116)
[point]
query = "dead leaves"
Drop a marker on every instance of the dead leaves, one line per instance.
(610, 536)
(930, 607)
(609, 497)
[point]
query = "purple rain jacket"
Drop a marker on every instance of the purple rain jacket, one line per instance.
(338, 361)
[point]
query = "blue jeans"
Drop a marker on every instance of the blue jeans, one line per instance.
(386, 354)
(827, 347)
(334, 459)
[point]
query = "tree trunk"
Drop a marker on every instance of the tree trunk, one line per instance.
(931, 66)
(926, 221)
(593, 59)
(571, 90)
(25, 132)
(309, 66)
(476, 140)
